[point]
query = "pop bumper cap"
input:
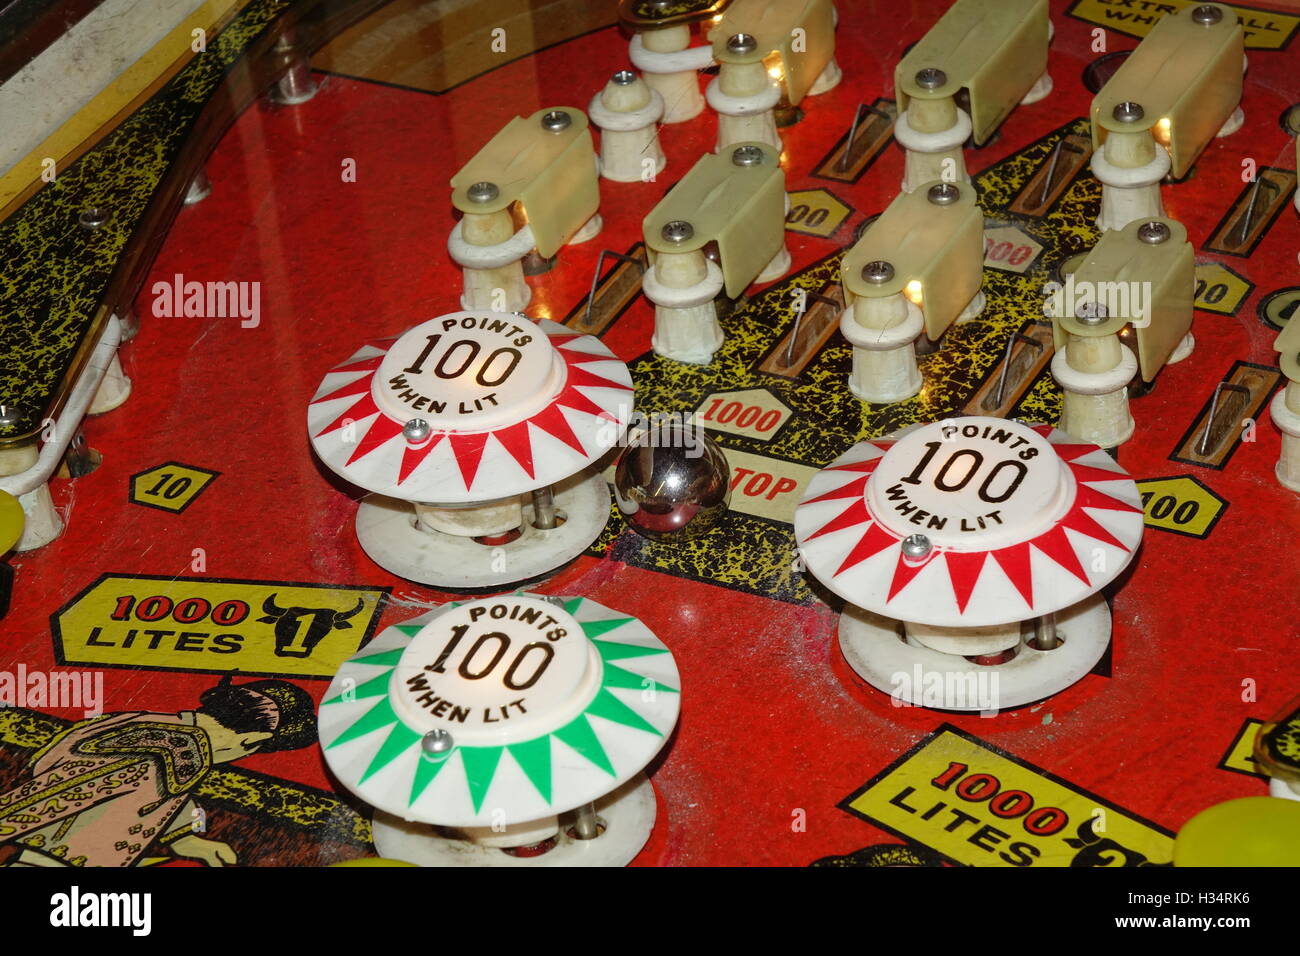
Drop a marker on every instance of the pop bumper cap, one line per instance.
(1017, 521)
(470, 407)
(532, 709)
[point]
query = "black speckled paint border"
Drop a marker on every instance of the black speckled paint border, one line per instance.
(57, 273)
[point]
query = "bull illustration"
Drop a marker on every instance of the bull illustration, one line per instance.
(321, 621)
(1096, 850)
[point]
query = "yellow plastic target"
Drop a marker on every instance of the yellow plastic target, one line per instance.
(1252, 831)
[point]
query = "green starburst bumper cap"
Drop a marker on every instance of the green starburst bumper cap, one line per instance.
(500, 710)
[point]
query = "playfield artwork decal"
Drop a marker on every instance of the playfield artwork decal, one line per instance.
(170, 486)
(216, 625)
(137, 788)
(977, 806)
(1180, 504)
(1240, 757)
(1264, 29)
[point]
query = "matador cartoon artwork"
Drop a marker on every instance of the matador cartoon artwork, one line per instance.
(107, 790)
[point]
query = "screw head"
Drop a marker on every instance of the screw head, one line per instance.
(92, 217)
(878, 271)
(1153, 232)
(741, 43)
(747, 155)
(416, 430)
(624, 78)
(679, 230)
(1207, 15)
(1091, 313)
(917, 546)
(943, 194)
(437, 743)
(1128, 112)
(482, 192)
(554, 121)
(931, 78)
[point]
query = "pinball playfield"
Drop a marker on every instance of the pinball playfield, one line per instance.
(248, 525)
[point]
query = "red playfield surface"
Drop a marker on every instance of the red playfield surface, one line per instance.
(209, 513)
